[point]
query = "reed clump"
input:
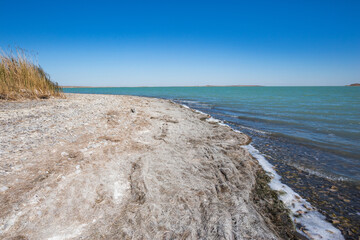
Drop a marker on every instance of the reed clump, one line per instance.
(21, 77)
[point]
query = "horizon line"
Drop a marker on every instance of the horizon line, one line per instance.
(206, 86)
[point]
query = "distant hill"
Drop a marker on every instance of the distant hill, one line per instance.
(354, 85)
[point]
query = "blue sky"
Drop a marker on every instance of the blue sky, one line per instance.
(172, 43)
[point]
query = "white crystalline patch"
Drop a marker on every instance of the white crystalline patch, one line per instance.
(144, 131)
(93, 145)
(68, 233)
(314, 222)
(212, 120)
(9, 222)
(64, 154)
(198, 111)
(142, 142)
(3, 188)
(83, 150)
(78, 170)
(119, 190)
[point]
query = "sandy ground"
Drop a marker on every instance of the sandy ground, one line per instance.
(122, 167)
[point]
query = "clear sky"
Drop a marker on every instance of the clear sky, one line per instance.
(172, 43)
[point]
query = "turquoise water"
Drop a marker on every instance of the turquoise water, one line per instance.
(325, 120)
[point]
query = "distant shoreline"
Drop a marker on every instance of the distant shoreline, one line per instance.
(354, 85)
(166, 86)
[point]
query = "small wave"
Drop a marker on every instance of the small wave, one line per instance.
(248, 128)
(268, 120)
(313, 221)
(254, 130)
(344, 151)
(320, 174)
(195, 103)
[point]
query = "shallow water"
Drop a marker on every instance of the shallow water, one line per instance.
(311, 134)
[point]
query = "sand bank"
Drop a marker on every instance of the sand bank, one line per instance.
(121, 167)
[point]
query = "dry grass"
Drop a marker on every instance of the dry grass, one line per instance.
(22, 78)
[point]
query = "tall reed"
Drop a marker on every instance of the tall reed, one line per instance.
(21, 77)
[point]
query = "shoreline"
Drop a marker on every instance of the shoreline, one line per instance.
(307, 218)
(127, 115)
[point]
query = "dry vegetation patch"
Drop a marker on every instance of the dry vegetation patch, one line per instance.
(22, 78)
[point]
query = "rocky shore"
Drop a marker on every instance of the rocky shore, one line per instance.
(123, 167)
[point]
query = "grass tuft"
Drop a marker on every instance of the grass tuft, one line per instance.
(22, 78)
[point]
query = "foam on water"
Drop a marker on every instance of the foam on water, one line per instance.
(314, 223)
